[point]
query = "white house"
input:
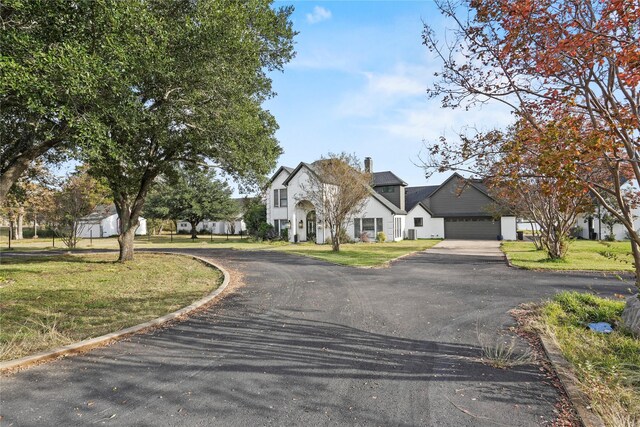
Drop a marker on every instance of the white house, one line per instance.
(590, 226)
(458, 208)
(104, 222)
(219, 227)
(215, 227)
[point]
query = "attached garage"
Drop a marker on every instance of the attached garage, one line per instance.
(478, 228)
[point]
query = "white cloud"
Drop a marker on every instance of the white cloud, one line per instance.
(384, 91)
(319, 14)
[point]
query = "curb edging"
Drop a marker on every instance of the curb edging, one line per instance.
(88, 344)
(579, 400)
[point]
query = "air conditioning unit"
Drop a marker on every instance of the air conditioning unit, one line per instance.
(412, 234)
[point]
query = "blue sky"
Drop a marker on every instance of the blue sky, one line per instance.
(358, 84)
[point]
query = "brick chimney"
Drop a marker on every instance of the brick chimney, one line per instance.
(368, 165)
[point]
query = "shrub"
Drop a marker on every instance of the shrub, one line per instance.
(284, 234)
(27, 233)
(364, 237)
(265, 232)
(381, 237)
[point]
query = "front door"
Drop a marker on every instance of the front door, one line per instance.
(311, 226)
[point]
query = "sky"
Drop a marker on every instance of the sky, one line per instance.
(358, 84)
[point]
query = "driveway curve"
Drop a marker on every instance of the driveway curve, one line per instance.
(304, 342)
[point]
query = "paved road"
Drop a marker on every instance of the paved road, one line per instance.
(309, 343)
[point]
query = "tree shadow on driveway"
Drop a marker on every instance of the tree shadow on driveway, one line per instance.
(238, 364)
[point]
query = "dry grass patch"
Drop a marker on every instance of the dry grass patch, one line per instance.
(46, 302)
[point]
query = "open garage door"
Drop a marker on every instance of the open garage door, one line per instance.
(477, 228)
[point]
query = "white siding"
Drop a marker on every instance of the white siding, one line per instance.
(109, 227)
(432, 228)
(374, 209)
(508, 227)
(273, 212)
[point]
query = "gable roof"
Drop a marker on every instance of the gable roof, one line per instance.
(415, 195)
(475, 183)
(386, 178)
(386, 203)
(280, 169)
(99, 213)
(295, 171)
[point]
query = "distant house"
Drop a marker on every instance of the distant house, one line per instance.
(459, 208)
(590, 227)
(219, 227)
(104, 222)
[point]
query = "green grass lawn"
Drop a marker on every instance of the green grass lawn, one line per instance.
(582, 255)
(354, 254)
(163, 241)
(360, 254)
(46, 302)
(607, 365)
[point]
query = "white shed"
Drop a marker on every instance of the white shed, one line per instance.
(104, 222)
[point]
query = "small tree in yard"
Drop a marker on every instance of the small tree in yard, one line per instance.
(254, 216)
(80, 194)
(338, 189)
(609, 221)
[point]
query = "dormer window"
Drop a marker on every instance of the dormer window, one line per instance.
(388, 189)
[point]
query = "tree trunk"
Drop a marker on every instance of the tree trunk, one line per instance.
(636, 261)
(194, 232)
(125, 240)
(335, 240)
(35, 228)
(19, 224)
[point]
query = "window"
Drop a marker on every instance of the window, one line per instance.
(280, 198)
(279, 225)
(417, 222)
(388, 189)
(397, 230)
(371, 226)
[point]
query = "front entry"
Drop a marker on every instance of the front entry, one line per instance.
(311, 226)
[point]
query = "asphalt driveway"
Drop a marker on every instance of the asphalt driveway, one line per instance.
(309, 343)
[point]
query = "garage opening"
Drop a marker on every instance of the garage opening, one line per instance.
(473, 228)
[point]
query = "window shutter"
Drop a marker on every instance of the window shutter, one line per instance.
(276, 199)
(356, 228)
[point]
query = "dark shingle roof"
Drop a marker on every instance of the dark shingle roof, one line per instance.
(415, 195)
(386, 178)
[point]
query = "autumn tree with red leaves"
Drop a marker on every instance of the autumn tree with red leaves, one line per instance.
(574, 63)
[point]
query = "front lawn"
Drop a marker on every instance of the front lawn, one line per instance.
(582, 255)
(51, 301)
(607, 365)
(162, 241)
(360, 254)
